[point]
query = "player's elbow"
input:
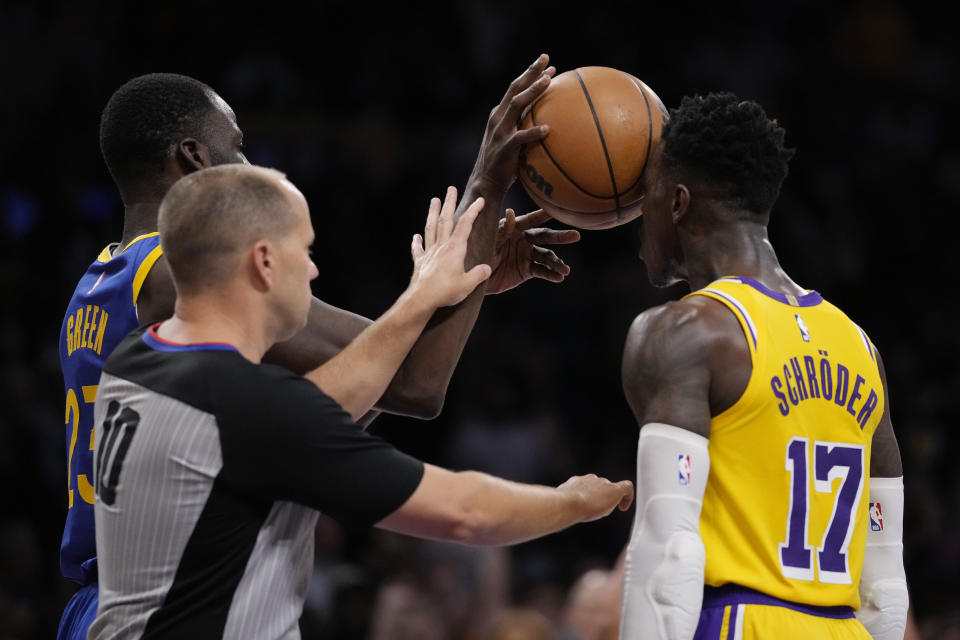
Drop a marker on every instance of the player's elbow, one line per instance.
(470, 521)
(427, 407)
(423, 404)
(883, 608)
(417, 392)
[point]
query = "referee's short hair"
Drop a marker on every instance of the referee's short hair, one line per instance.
(209, 217)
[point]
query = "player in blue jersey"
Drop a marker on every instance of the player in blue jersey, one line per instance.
(101, 312)
(156, 129)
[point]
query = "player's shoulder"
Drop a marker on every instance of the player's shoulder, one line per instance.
(692, 321)
(662, 337)
(141, 246)
(682, 339)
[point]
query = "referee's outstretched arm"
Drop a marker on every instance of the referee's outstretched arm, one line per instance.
(480, 509)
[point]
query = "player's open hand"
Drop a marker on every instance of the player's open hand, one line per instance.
(599, 496)
(520, 255)
(438, 256)
(497, 162)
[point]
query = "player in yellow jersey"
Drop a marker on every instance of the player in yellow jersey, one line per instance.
(769, 483)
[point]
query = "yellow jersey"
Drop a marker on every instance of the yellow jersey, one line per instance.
(785, 510)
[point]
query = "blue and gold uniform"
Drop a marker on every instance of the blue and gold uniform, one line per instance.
(102, 311)
(785, 512)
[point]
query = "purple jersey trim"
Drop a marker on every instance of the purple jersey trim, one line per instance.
(809, 299)
(737, 307)
(734, 594)
(157, 343)
(866, 342)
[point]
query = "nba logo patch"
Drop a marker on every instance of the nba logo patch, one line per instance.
(97, 283)
(804, 332)
(683, 467)
(876, 517)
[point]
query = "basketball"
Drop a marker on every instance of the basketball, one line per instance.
(603, 125)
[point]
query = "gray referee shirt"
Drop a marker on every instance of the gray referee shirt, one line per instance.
(209, 471)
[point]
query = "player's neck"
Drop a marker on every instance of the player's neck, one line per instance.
(741, 249)
(139, 218)
(218, 318)
(141, 205)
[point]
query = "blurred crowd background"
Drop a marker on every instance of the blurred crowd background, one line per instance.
(372, 109)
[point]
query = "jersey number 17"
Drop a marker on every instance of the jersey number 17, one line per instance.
(830, 460)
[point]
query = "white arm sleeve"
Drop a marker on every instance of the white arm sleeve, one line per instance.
(663, 569)
(883, 585)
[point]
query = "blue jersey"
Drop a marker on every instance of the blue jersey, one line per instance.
(101, 312)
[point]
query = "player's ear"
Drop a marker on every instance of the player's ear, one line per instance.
(681, 202)
(262, 266)
(192, 155)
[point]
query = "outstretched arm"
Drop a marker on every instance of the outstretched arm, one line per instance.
(479, 509)
(431, 362)
(357, 376)
(420, 384)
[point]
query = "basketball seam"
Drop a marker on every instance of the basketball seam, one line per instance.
(533, 121)
(646, 156)
(603, 142)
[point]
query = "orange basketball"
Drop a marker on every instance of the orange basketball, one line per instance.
(603, 124)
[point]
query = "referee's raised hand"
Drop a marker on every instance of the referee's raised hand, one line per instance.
(439, 279)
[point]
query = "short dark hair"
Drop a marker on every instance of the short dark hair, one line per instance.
(208, 217)
(145, 117)
(732, 145)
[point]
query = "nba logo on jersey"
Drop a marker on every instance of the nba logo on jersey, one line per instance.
(683, 466)
(804, 332)
(97, 283)
(876, 517)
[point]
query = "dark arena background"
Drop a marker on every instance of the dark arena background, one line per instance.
(372, 109)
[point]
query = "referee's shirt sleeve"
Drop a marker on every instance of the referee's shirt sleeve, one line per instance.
(284, 439)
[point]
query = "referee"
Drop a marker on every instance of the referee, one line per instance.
(210, 467)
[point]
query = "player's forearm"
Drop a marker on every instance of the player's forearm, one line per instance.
(417, 387)
(483, 237)
(329, 330)
(357, 376)
(665, 558)
(421, 383)
(884, 600)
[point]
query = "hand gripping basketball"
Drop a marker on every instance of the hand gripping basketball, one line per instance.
(497, 162)
(604, 124)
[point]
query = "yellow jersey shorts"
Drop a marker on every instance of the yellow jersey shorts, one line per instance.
(732, 612)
